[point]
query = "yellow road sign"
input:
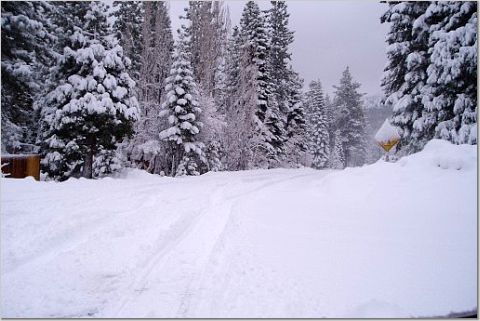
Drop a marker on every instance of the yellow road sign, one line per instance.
(389, 144)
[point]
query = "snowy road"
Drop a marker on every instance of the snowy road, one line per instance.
(382, 240)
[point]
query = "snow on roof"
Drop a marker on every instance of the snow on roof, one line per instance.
(387, 133)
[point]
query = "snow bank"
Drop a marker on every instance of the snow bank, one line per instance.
(384, 240)
(439, 153)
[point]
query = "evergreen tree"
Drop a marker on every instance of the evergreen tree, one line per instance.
(92, 106)
(318, 127)
(279, 56)
(232, 68)
(337, 159)
(26, 53)
(296, 140)
(285, 81)
(431, 76)
(267, 116)
(207, 31)
(181, 110)
(332, 121)
(230, 104)
(405, 73)
(450, 95)
(350, 120)
(128, 26)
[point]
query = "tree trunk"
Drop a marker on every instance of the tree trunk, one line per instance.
(88, 160)
(172, 173)
(346, 155)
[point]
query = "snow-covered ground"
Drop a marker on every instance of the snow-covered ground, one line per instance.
(385, 240)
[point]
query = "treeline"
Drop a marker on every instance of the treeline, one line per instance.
(98, 92)
(95, 95)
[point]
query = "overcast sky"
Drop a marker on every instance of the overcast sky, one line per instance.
(329, 35)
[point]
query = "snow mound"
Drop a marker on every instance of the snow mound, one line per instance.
(377, 309)
(444, 155)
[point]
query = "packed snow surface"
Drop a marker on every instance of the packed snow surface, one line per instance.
(385, 240)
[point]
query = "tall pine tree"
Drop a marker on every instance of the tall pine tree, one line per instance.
(430, 79)
(450, 94)
(319, 139)
(350, 120)
(128, 26)
(92, 107)
(181, 110)
(405, 73)
(27, 38)
(268, 122)
(296, 139)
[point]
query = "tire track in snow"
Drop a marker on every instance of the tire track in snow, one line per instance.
(173, 238)
(220, 208)
(91, 221)
(226, 203)
(193, 240)
(222, 252)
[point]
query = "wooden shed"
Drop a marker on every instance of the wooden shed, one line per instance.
(21, 165)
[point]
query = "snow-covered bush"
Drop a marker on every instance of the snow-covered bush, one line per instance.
(106, 162)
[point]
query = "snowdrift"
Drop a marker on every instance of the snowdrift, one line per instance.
(385, 240)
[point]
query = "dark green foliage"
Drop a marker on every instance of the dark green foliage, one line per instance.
(350, 121)
(26, 54)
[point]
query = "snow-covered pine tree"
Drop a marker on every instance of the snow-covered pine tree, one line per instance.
(232, 68)
(279, 56)
(450, 95)
(236, 120)
(337, 159)
(405, 73)
(332, 122)
(106, 161)
(296, 144)
(268, 120)
(66, 16)
(181, 111)
(285, 81)
(92, 107)
(318, 126)
(26, 52)
(128, 24)
(351, 120)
